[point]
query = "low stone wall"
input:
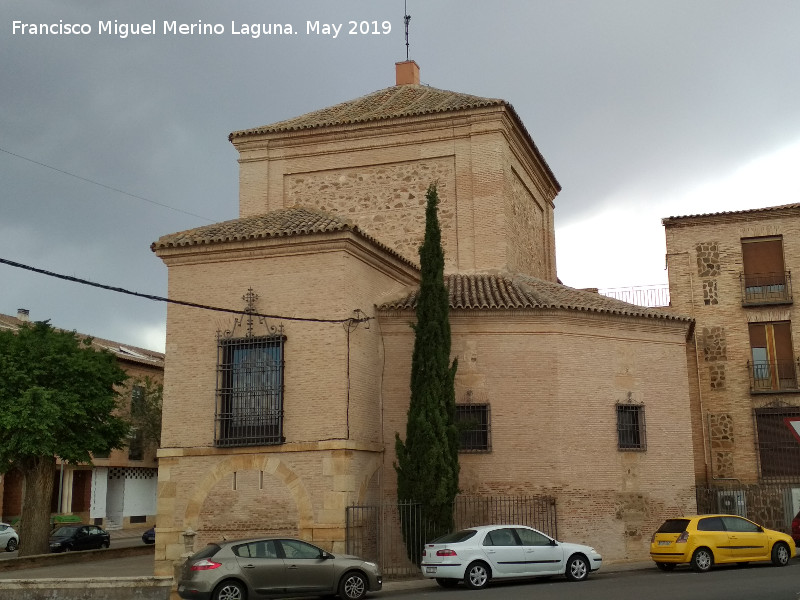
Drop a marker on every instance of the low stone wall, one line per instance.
(63, 558)
(94, 588)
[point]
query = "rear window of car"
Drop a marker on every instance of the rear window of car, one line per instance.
(455, 537)
(206, 552)
(673, 526)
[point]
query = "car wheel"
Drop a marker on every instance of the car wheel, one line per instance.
(577, 568)
(702, 560)
(230, 590)
(12, 545)
(477, 575)
(780, 554)
(666, 566)
(105, 544)
(353, 586)
(447, 583)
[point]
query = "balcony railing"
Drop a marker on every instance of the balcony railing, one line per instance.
(766, 288)
(773, 376)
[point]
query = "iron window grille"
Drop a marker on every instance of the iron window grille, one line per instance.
(631, 428)
(249, 409)
(474, 427)
(778, 442)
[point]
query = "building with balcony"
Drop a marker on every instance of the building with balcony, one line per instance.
(731, 271)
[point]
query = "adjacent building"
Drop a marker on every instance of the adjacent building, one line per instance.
(281, 416)
(732, 272)
(117, 490)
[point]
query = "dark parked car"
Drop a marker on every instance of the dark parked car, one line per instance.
(274, 568)
(796, 529)
(149, 536)
(78, 537)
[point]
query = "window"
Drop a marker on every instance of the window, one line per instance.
(710, 524)
(778, 442)
(764, 280)
(136, 445)
(250, 391)
(137, 400)
(295, 549)
(738, 525)
(529, 537)
(630, 427)
(472, 421)
(500, 537)
(772, 367)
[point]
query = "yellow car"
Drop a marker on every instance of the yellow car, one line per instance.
(705, 540)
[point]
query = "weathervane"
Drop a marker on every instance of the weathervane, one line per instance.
(406, 18)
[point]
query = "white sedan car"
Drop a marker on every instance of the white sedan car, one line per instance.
(479, 554)
(9, 540)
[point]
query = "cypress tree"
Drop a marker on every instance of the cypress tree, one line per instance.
(427, 461)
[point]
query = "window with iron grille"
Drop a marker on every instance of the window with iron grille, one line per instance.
(778, 441)
(474, 427)
(250, 391)
(630, 427)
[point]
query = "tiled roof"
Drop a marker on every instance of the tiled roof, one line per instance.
(388, 103)
(391, 103)
(767, 209)
(279, 223)
(508, 291)
(123, 352)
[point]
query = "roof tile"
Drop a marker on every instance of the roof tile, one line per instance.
(507, 291)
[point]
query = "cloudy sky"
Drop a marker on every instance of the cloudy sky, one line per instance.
(643, 109)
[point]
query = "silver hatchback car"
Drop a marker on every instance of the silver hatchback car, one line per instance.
(274, 567)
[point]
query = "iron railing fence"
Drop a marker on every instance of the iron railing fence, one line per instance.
(375, 532)
(766, 288)
(772, 375)
(772, 505)
(644, 295)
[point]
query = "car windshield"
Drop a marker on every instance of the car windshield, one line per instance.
(455, 537)
(66, 530)
(674, 526)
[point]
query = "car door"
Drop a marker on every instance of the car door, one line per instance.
(711, 532)
(82, 540)
(504, 552)
(541, 554)
(747, 540)
(261, 566)
(306, 569)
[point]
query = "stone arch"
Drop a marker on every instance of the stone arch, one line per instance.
(375, 462)
(269, 464)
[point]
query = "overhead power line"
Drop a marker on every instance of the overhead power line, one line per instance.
(120, 290)
(103, 185)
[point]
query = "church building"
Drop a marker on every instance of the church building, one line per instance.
(278, 419)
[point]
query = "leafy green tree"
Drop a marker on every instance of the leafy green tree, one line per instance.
(427, 461)
(57, 399)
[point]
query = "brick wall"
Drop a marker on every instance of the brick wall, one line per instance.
(497, 201)
(705, 264)
(553, 380)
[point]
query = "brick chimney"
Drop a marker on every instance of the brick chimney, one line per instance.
(23, 314)
(407, 72)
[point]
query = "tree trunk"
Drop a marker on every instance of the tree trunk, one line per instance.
(34, 531)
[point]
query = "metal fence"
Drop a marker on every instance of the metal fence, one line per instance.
(375, 532)
(772, 505)
(644, 295)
